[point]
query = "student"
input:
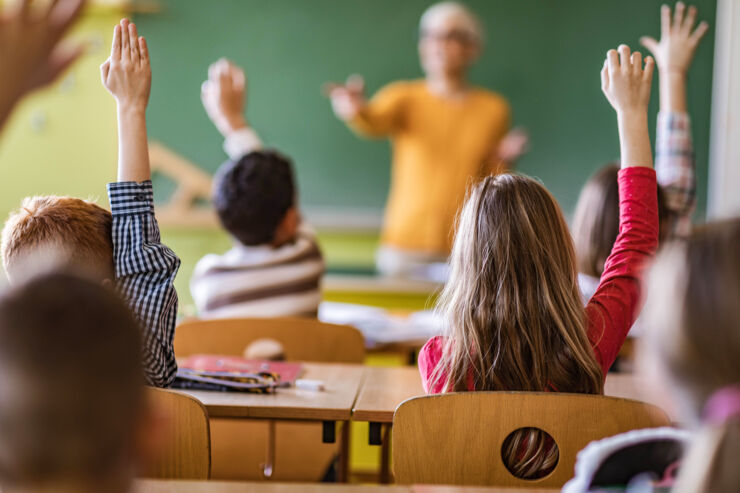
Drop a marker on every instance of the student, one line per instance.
(512, 308)
(275, 267)
(31, 52)
(691, 353)
(71, 388)
(689, 359)
(596, 220)
(122, 245)
(445, 133)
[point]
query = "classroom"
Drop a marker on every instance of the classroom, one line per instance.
(429, 246)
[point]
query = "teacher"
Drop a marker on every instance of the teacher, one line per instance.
(445, 133)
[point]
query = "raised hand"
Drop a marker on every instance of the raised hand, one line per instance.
(678, 39)
(347, 99)
(626, 85)
(31, 52)
(624, 81)
(224, 96)
(127, 74)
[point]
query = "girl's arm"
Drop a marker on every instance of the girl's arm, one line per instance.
(614, 306)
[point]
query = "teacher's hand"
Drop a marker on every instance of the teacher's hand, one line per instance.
(513, 146)
(347, 99)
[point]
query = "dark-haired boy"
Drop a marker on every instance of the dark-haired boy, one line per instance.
(275, 266)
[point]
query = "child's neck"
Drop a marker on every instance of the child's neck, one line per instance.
(447, 85)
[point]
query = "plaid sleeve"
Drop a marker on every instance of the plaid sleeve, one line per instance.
(675, 168)
(145, 272)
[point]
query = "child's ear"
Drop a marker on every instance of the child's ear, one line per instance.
(288, 227)
(108, 283)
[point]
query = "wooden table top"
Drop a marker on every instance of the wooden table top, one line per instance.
(169, 486)
(335, 403)
(387, 387)
(383, 390)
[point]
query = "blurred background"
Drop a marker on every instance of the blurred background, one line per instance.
(544, 56)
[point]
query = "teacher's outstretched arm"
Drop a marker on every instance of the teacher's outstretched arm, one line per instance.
(380, 117)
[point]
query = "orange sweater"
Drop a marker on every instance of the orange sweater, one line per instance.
(440, 147)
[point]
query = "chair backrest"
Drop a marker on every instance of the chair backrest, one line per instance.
(185, 430)
(302, 339)
(457, 438)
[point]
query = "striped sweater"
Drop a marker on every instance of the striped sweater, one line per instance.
(262, 280)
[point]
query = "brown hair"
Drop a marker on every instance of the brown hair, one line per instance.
(71, 383)
(62, 231)
(512, 306)
(693, 311)
(596, 220)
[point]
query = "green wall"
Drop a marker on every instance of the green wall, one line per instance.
(543, 55)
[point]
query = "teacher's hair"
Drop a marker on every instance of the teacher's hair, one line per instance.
(453, 9)
(512, 306)
(693, 312)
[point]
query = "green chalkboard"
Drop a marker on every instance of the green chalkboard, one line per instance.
(543, 55)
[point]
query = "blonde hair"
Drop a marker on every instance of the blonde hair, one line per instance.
(470, 21)
(57, 232)
(694, 315)
(512, 307)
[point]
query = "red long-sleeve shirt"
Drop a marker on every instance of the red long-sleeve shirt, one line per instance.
(614, 306)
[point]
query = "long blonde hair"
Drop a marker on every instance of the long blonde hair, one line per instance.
(512, 307)
(693, 310)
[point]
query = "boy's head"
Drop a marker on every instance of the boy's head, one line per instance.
(450, 39)
(255, 199)
(71, 386)
(48, 232)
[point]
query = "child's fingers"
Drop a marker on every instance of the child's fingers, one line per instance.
(105, 70)
(688, 23)
(605, 77)
(637, 63)
(125, 41)
(116, 48)
(624, 57)
(699, 33)
(649, 43)
(665, 20)
(213, 71)
(612, 59)
(647, 74)
(678, 15)
(143, 50)
(133, 38)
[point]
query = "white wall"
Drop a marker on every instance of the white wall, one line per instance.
(724, 154)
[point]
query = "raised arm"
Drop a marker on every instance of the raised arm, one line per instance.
(674, 151)
(31, 52)
(613, 308)
(224, 97)
(145, 269)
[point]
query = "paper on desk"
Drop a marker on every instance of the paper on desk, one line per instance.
(380, 327)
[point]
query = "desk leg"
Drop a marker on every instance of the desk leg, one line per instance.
(329, 431)
(375, 433)
(385, 455)
(343, 462)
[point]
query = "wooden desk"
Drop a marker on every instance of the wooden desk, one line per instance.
(159, 486)
(328, 406)
(333, 404)
(383, 390)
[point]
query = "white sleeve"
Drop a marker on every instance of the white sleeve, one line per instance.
(241, 142)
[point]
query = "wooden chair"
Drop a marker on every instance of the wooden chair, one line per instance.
(242, 448)
(184, 427)
(456, 438)
(302, 339)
